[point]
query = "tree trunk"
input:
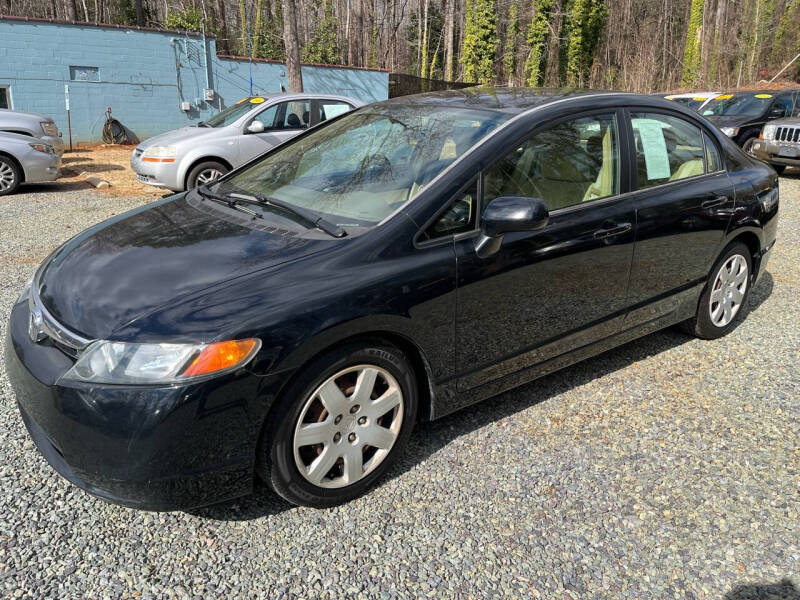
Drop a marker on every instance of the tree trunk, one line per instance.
(292, 47)
(70, 10)
(139, 13)
(223, 43)
(449, 26)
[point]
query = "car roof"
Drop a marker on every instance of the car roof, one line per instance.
(304, 96)
(506, 99)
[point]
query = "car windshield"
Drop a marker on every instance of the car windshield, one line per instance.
(232, 113)
(737, 104)
(361, 168)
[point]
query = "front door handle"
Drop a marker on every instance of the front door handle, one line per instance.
(714, 201)
(611, 231)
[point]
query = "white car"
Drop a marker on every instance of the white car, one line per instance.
(185, 158)
(693, 100)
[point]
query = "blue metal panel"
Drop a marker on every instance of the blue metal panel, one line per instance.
(144, 76)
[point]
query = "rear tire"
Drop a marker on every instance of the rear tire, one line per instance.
(10, 176)
(340, 425)
(725, 295)
(204, 173)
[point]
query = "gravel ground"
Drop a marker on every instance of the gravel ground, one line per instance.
(668, 468)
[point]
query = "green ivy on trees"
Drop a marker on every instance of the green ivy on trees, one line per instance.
(323, 47)
(510, 50)
(480, 43)
(538, 39)
(190, 19)
(691, 52)
(586, 21)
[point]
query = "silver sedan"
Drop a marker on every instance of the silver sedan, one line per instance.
(24, 159)
(191, 156)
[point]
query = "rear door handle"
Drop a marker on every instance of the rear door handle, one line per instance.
(611, 231)
(714, 201)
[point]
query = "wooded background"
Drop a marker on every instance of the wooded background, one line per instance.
(635, 45)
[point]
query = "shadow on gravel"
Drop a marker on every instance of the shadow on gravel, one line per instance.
(428, 438)
(784, 590)
(55, 186)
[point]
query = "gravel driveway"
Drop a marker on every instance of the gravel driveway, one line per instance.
(668, 468)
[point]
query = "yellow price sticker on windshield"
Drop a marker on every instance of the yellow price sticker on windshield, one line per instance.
(242, 100)
(256, 100)
(698, 98)
(724, 97)
(763, 95)
(669, 97)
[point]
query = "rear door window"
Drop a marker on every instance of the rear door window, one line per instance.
(667, 149)
(328, 109)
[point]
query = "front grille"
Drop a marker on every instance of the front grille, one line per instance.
(787, 134)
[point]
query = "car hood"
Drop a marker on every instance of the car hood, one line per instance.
(134, 264)
(731, 120)
(177, 136)
(7, 115)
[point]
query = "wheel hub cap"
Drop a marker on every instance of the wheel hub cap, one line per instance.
(348, 426)
(728, 290)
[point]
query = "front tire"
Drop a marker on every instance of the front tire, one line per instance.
(747, 146)
(204, 173)
(725, 295)
(10, 176)
(339, 427)
(779, 169)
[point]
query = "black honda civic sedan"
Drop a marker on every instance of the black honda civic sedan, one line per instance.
(296, 318)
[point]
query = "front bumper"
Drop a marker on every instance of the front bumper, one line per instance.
(156, 448)
(40, 167)
(157, 174)
(778, 153)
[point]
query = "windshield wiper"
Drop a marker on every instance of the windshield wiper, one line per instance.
(304, 214)
(227, 201)
(203, 124)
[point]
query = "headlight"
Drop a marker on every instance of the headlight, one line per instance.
(160, 154)
(25, 291)
(49, 128)
(730, 131)
(46, 148)
(769, 200)
(769, 132)
(123, 363)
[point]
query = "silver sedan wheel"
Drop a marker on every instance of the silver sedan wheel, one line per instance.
(7, 177)
(208, 175)
(728, 290)
(348, 426)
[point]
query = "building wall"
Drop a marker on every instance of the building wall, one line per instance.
(144, 76)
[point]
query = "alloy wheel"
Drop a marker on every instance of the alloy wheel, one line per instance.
(7, 177)
(208, 175)
(348, 426)
(728, 290)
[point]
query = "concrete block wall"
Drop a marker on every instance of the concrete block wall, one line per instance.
(144, 75)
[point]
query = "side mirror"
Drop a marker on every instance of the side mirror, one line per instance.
(255, 127)
(508, 214)
(776, 112)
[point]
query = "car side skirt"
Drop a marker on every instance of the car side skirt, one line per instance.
(448, 400)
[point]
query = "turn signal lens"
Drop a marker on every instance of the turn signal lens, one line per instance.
(221, 356)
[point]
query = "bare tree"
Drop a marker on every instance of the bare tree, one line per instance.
(70, 10)
(291, 46)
